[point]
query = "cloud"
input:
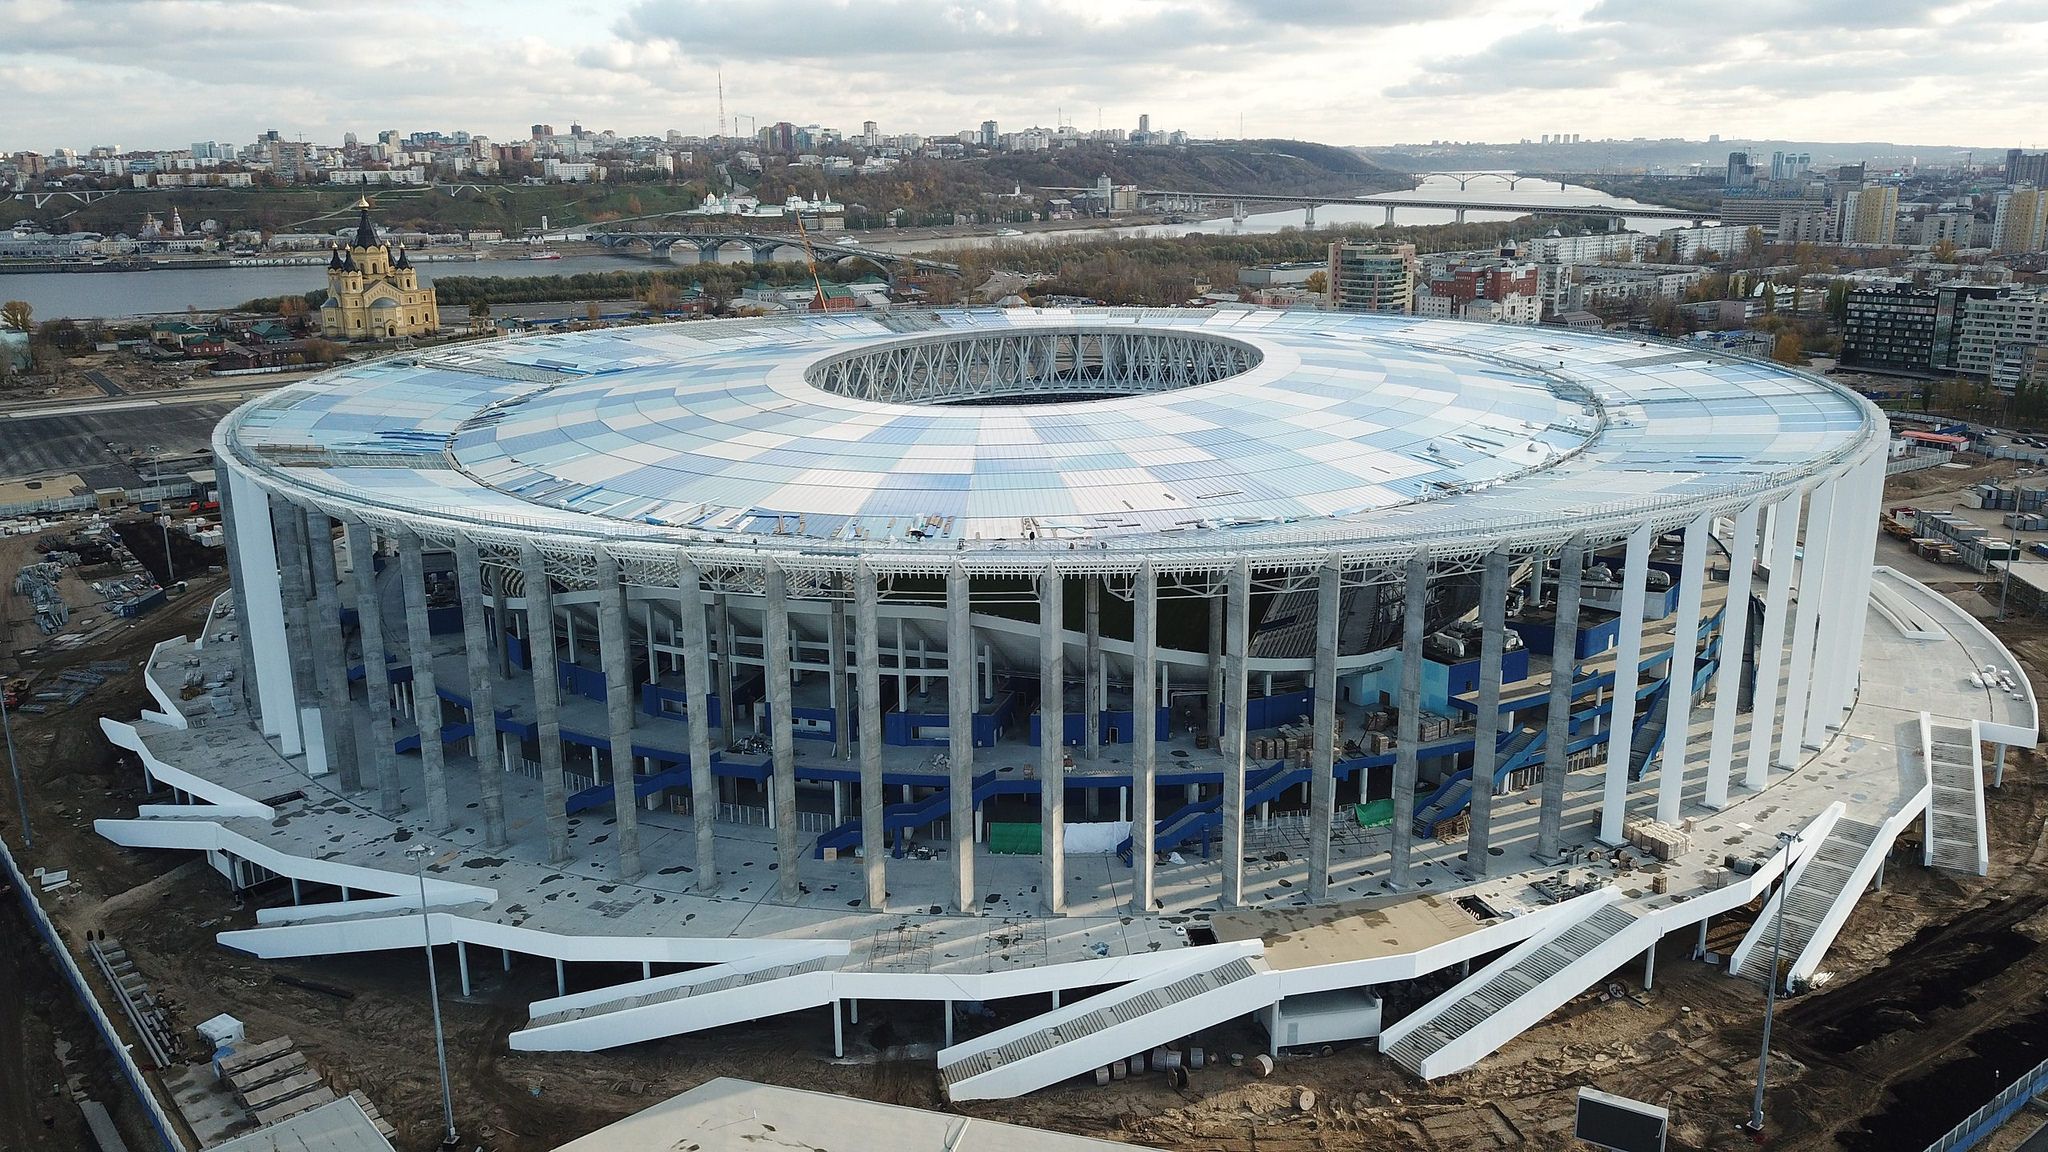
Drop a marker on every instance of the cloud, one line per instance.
(1737, 54)
(160, 73)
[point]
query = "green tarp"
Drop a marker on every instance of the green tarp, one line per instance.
(1377, 814)
(1013, 839)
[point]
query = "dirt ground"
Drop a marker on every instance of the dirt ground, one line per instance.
(1939, 995)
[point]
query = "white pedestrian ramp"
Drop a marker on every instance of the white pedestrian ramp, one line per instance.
(1955, 812)
(1219, 982)
(1499, 1002)
(683, 1002)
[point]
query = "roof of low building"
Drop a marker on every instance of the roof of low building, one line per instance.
(728, 1115)
(340, 1126)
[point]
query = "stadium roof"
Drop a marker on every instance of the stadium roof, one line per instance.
(1344, 426)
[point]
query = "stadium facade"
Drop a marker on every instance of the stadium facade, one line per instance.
(1107, 587)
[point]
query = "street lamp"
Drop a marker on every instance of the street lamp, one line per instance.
(1755, 1124)
(418, 853)
(28, 836)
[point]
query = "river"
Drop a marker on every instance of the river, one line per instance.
(171, 289)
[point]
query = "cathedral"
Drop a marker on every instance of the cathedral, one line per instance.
(374, 294)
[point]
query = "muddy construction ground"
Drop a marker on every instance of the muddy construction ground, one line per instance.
(1938, 996)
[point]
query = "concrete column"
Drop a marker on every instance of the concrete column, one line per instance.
(1851, 537)
(1770, 647)
(842, 708)
(1564, 646)
(1734, 634)
(1684, 655)
(1052, 726)
(781, 737)
(1213, 714)
(362, 554)
(1635, 574)
(690, 608)
(1144, 732)
(296, 588)
(727, 671)
(960, 734)
(330, 655)
(501, 651)
(547, 696)
(238, 591)
(1408, 718)
(616, 654)
(868, 669)
(1813, 583)
(1091, 672)
(1860, 558)
(1322, 779)
(426, 703)
(483, 690)
(1236, 648)
(1493, 625)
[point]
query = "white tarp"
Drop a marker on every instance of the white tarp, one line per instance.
(1095, 839)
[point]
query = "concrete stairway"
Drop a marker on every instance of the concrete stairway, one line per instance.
(671, 1005)
(1955, 812)
(1069, 1041)
(1473, 1019)
(1835, 873)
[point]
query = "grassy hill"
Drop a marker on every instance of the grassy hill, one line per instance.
(1285, 167)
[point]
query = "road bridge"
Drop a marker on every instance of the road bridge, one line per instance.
(1240, 202)
(763, 248)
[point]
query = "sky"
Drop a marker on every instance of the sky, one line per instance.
(163, 73)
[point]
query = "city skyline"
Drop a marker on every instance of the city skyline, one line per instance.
(158, 75)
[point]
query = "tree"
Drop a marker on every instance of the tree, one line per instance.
(17, 316)
(1838, 301)
(1788, 349)
(1317, 282)
(592, 312)
(662, 297)
(1770, 300)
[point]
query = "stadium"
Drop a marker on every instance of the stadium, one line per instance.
(1237, 663)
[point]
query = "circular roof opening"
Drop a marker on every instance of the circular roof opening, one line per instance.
(1035, 366)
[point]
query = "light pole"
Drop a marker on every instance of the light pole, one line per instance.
(2005, 582)
(418, 853)
(1763, 1060)
(28, 836)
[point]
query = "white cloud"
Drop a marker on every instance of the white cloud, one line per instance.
(163, 72)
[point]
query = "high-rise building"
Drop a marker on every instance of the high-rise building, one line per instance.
(989, 134)
(1741, 173)
(1995, 330)
(870, 134)
(1869, 215)
(1372, 277)
(1909, 331)
(2019, 223)
(2026, 167)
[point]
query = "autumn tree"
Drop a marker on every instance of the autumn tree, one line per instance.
(1788, 349)
(17, 316)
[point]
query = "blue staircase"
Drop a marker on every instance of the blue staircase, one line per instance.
(1515, 751)
(1197, 820)
(899, 818)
